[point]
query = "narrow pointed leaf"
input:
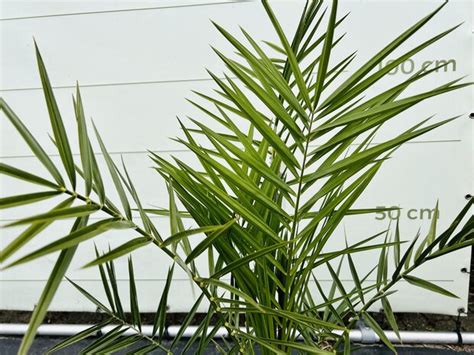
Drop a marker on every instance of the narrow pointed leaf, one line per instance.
(325, 55)
(207, 242)
(93, 330)
(428, 285)
(121, 250)
(115, 176)
(246, 259)
(98, 185)
(293, 62)
(186, 233)
(376, 59)
(134, 308)
(59, 132)
(159, 322)
(35, 147)
(30, 233)
(115, 291)
(187, 321)
(26, 199)
(76, 237)
(57, 214)
(26, 176)
(376, 328)
(88, 296)
(387, 308)
(105, 283)
(84, 144)
(55, 278)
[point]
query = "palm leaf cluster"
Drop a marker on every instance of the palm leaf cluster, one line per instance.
(293, 145)
(126, 331)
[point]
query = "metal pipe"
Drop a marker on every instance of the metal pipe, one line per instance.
(415, 337)
(356, 335)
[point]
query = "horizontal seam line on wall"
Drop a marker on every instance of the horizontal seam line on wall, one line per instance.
(187, 151)
(164, 279)
(124, 83)
(92, 218)
(122, 10)
(131, 83)
(99, 154)
(86, 280)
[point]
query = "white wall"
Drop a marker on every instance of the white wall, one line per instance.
(137, 61)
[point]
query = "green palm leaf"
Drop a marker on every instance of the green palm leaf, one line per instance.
(57, 125)
(56, 276)
(74, 238)
(35, 147)
(292, 148)
(26, 199)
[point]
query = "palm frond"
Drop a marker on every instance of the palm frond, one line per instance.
(290, 153)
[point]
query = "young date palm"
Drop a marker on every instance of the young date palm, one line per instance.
(273, 186)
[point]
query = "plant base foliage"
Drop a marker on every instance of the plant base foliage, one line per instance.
(273, 186)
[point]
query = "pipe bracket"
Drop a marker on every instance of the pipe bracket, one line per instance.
(368, 336)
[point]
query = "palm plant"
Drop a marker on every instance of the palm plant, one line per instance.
(273, 186)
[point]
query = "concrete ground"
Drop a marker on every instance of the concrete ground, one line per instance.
(9, 346)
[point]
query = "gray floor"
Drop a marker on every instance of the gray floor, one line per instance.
(9, 346)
